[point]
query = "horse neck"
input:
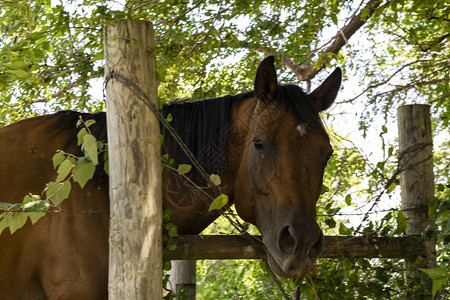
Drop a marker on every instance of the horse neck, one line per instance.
(237, 140)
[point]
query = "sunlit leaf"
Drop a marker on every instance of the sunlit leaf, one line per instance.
(215, 179)
(64, 169)
(80, 135)
(57, 159)
(38, 206)
(15, 221)
(83, 172)
(56, 192)
(184, 168)
(219, 202)
(89, 122)
(440, 277)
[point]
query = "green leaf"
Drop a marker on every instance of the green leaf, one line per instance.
(17, 64)
(21, 74)
(436, 273)
(172, 229)
(380, 165)
(391, 187)
(56, 192)
(15, 221)
(3, 224)
(402, 222)
(57, 159)
(343, 230)
(106, 167)
(4, 205)
(348, 199)
(80, 135)
(167, 213)
(167, 265)
(334, 18)
(64, 169)
(98, 56)
(432, 207)
(83, 172)
(34, 216)
(219, 202)
(16, 206)
(160, 77)
(171, 247)
(106, 160)
(215, 179)
(390, 151)
(90, 147)
(89, 122)
(440, 277)
(31, 198)
(36, 206)
(36, 209)
(324, 189)
(330, 222)
(184, 168)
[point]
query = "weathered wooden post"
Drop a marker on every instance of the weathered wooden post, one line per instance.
(135, 268)
(417, 180)
(183, 272)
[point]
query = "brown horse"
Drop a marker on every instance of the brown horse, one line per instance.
(269, 146)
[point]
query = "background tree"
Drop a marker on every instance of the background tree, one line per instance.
(392, 52)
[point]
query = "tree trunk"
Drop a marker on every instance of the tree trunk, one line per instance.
(417, 182)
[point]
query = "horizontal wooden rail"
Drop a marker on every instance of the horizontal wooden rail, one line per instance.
(197, 247)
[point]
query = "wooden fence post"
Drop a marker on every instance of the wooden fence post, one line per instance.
(135, 269)
(183, 272)
(417, 180)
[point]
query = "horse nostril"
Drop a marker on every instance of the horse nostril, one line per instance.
(316, 250)
(286, 241)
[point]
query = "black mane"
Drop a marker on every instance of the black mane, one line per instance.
(203, 126)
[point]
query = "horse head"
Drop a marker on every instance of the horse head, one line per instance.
(281, 168)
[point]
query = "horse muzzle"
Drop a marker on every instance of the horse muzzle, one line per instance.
(293, 252)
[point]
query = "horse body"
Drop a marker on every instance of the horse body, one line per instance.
(270, 151)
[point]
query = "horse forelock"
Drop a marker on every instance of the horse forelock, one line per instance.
(302, 108)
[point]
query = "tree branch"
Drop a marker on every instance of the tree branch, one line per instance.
(63, 90)
(307, 72)
(391, 93)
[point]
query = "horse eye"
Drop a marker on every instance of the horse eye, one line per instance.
(259, 145)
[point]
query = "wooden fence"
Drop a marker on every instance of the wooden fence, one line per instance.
(237, 247)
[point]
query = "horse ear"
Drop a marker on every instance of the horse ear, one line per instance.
(266, 79)
(325, 94)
